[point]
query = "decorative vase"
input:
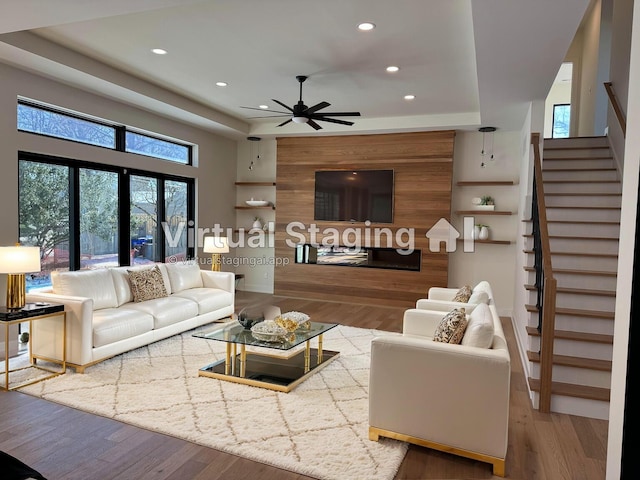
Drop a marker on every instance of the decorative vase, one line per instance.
(484, 233)
(256, 226)
(476, 232)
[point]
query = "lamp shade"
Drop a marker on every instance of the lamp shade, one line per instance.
(215, 245)
(18, 259)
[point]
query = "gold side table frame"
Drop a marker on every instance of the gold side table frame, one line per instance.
(32, 359)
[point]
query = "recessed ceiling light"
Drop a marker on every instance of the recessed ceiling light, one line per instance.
(221, 84)
(159, 51)
(264, 107)
(366, 26)
(392, 69)
(409, 97)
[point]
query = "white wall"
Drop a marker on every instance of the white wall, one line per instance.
(589, 71)
(624, 288)
(216, 156)
(488, 262)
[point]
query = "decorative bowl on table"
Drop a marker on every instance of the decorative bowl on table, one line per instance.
(257, 203)
(250, 316)
(268, 331)
(291, 321)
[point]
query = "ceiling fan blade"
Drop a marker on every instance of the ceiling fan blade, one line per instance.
(332, 120)
(272, 116)
(284, 123)
(265, 110)
(339, 114)
(282, 104)
(317, 107)
(314, 124)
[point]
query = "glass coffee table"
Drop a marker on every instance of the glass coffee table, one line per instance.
(276, 365)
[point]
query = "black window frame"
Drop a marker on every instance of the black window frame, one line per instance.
(120, 132)
(553, 119)
(124, 215)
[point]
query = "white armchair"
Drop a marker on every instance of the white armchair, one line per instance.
(440, 298)
(452, 398)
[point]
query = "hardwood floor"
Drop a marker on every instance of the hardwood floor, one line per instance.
(64, 444)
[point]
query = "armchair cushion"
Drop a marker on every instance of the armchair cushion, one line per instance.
(462, 295)
(451, 328)
(480, 330)
(478, 296)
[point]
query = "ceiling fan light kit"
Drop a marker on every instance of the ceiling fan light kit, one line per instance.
(300, 113)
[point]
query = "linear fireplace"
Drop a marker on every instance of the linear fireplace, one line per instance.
(368, 257)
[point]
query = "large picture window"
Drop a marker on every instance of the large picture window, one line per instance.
(86, 216)
(561, 120)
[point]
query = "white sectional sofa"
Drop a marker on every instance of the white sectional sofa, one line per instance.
(440, 298)
(103, 319)
(449, 397)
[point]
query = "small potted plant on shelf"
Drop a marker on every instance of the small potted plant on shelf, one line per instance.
(256, 226)
(480, 232)
(486, 203)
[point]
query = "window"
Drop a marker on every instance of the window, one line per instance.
(154, 147)
(45, 120)
(561, 120)
(86, 215)
(55, 124)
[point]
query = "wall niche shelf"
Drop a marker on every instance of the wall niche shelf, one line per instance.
(507, 183)
(255, 184)
(494, 242)
(483, 212)
(247, 207)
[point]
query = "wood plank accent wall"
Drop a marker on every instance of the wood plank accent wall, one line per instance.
(422, 164)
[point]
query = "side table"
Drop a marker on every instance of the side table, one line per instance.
(32, 312)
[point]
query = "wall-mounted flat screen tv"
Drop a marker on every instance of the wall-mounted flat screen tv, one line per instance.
(354, 196)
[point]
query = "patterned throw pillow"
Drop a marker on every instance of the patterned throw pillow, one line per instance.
(147, 284)
(451, 328)
(463, 294)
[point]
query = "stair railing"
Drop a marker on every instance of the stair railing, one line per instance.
(613, 98)
(546, 284)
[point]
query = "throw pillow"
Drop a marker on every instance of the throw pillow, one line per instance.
(480, 329)
(451, 328)
(463, 294)
(147, 284)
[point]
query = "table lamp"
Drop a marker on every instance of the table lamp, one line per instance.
(215, 246)
(15, 262)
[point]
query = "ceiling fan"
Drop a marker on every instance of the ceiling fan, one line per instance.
(300, 113)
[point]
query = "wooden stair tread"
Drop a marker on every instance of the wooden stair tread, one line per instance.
(580, 336)
(577, 362)
(585, 169)
(577, 271)
(577, 291)
(579, 254)
(574, 147)
(573, 159)
(576, 312)
(579, 222)
(573, 237)
(573, 390)
(581, 181)
(587, 194)
(582, 207)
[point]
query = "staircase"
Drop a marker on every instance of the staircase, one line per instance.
(583, 196)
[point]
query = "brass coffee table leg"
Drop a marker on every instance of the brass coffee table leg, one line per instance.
(319, 349)
(243, 361)
(307, 356)
(227, 360)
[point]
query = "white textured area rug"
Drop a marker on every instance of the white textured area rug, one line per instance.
(319, 429)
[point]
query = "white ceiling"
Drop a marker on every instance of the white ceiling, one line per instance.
(468, 62)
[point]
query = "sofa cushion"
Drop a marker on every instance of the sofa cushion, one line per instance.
(147, 284)
(480, 329)
(451, 327)
(184, 275)
(96, 284)
(208, 299)
(462, 295)
(114, 324)
(167, 310)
